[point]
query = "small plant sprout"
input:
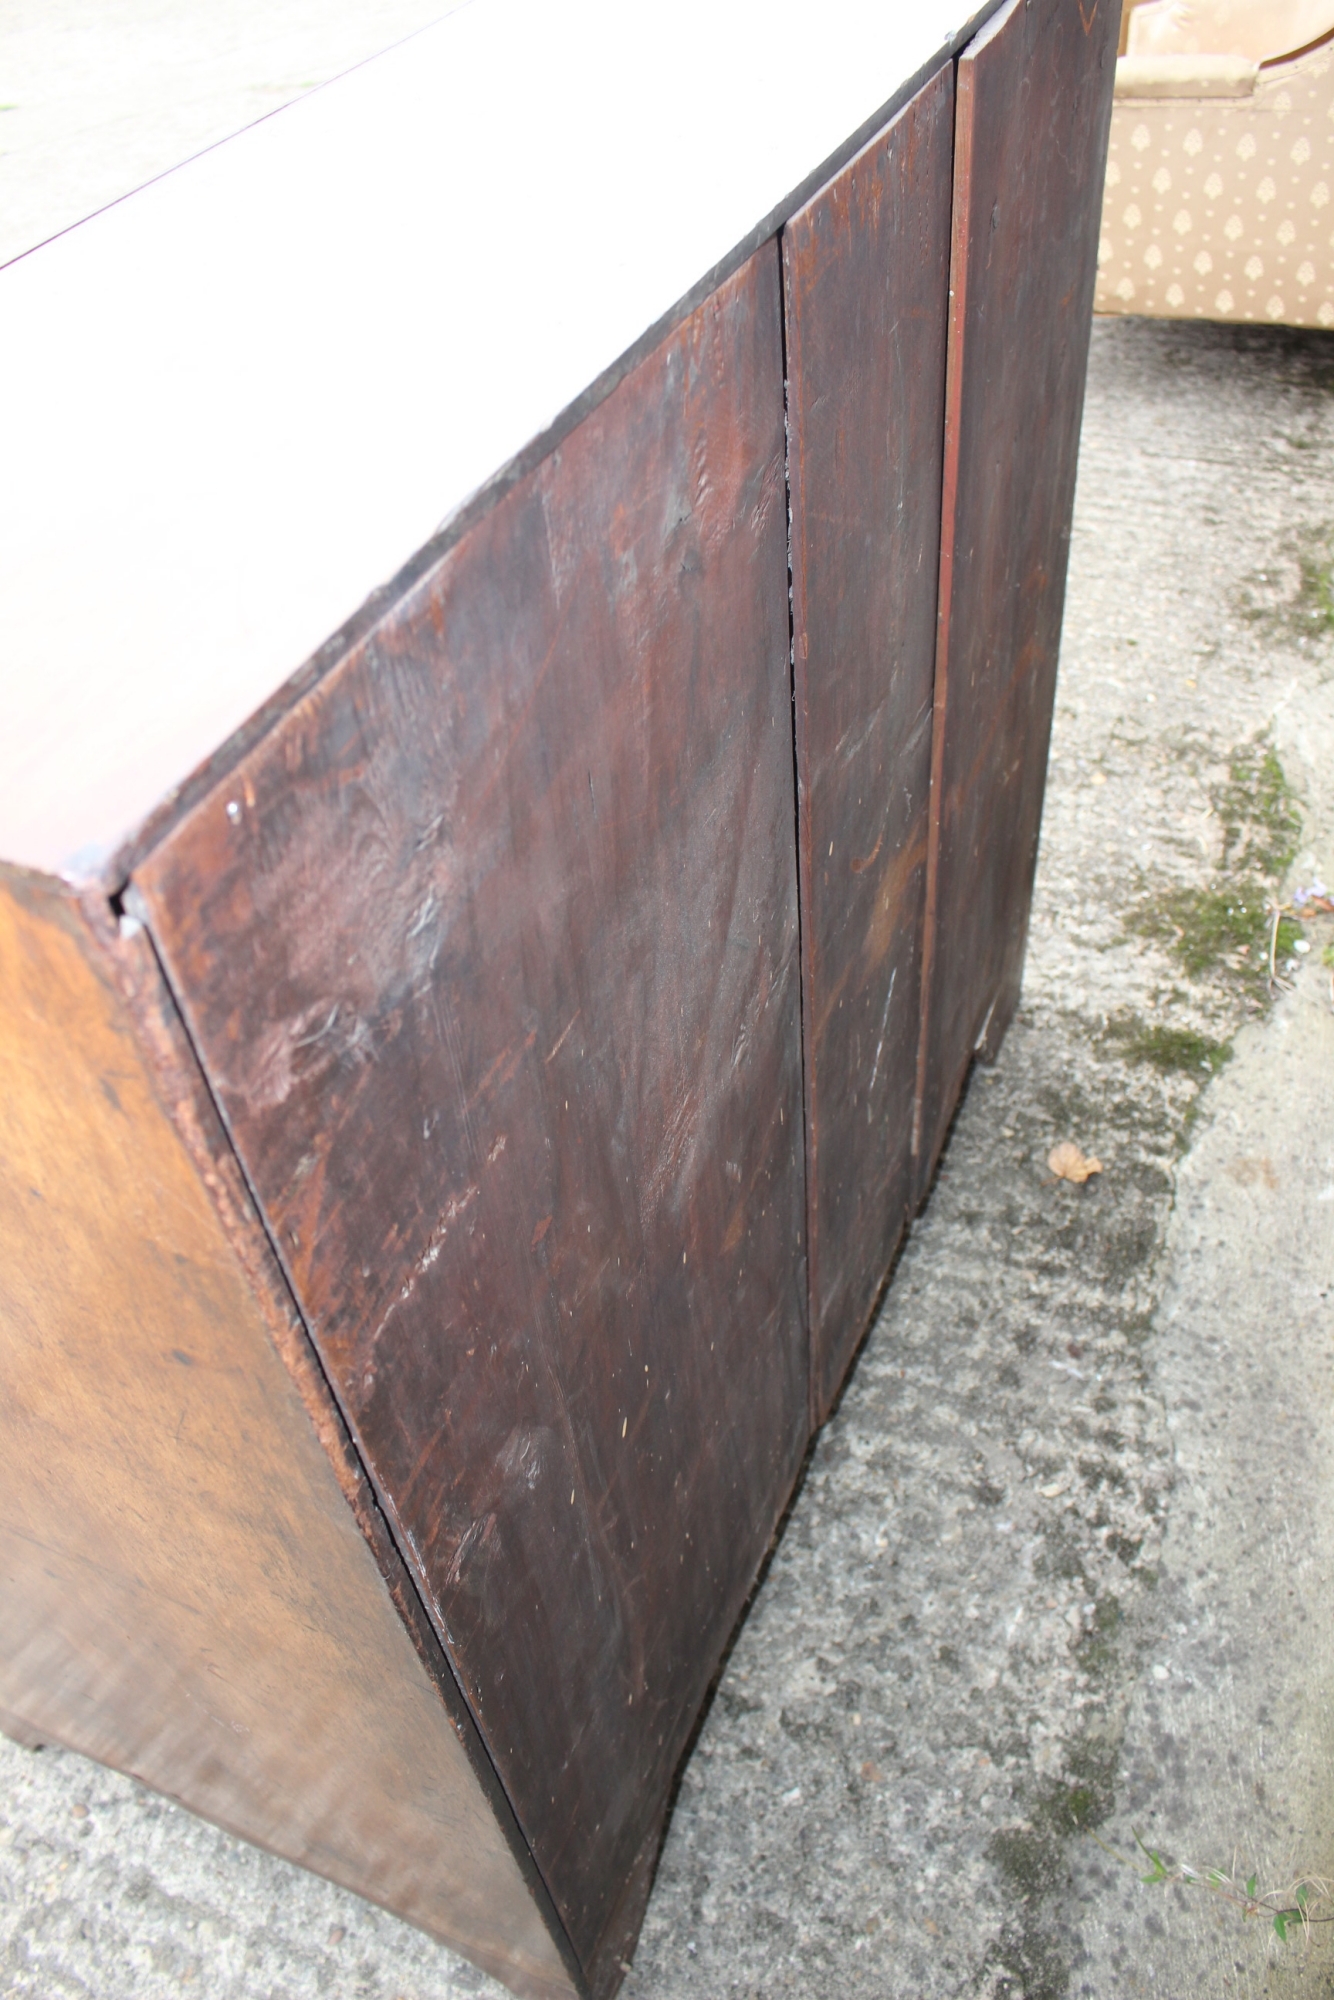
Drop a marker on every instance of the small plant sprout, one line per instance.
(1294, 1904)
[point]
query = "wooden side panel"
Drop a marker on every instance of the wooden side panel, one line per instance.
(866, 268)
(184, 1590)
(490, 950)
(1034, 101)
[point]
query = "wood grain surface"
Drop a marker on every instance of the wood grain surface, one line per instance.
(1034, 95)
(866, 270)
(185, 1592)
(490, 950)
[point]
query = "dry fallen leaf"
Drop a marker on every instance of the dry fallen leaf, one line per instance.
(1068, 1163)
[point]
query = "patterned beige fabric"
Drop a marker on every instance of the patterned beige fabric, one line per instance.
(1222, 207)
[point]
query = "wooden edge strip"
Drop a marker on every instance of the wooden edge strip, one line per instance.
(954, 356)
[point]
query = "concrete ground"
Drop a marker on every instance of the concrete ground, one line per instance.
(1059, 1570)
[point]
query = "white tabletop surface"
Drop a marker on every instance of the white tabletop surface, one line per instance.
(240, 399)
(99, 96)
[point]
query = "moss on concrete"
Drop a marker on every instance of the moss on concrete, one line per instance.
(1031, 1960)
(1219, 929)
(1219, 932)
(1262, 823)
(1173, 1050)
(1306, 611)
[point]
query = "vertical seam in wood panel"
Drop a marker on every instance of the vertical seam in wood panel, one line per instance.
(520, 1847)
(800, 829)
(115, 875)
(960, 194)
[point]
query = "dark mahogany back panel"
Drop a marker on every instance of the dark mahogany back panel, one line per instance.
(1034, 103)
(866, 270)
(490, 950)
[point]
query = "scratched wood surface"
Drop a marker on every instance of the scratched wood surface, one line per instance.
(185, 1591)
(1034, 92)
(490, 950)
(866, 269)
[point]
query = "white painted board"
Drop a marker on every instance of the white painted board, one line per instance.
(237, 401)
(99, 96)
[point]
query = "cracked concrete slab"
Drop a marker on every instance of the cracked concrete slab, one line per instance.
(1057, 1572)
(1227, 1757)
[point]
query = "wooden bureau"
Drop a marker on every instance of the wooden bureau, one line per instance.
(462, 1094)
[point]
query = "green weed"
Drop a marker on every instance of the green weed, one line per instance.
(1293, 1905)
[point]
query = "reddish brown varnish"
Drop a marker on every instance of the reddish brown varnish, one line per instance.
(490, 949)
(1034, 105)
(866, 266)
